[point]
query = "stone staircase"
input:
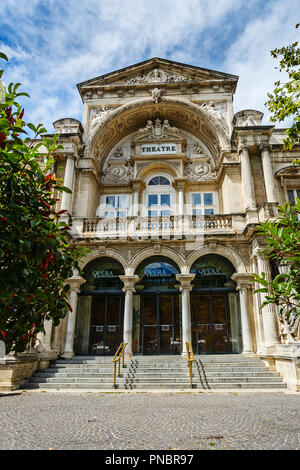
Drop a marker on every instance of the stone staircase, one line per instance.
(210, 372)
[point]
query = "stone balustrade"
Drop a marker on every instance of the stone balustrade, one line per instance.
(178, 227)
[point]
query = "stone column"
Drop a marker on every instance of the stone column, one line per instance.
(269, 317)
(185, 288)
(243, 281)
(75, 283)
(179, 185)
(68, 182)
(247, 179)
(137, 185)
(129, 282)
(268, 174)
(180, 202)
(135, 203)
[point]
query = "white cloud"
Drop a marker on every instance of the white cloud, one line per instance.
(53, 45)
(250, 58)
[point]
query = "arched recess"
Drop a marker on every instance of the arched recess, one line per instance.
(157, 167)
(221, 250)
(129, 117)
(108, 253)
(152, 251)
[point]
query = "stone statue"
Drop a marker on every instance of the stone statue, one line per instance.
(145, 130)
(156, 95)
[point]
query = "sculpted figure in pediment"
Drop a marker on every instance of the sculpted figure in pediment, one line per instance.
(146, 130)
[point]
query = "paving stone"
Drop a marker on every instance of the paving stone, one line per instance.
(187, 421)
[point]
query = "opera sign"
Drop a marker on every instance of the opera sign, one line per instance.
(102, 274)
(157, 273)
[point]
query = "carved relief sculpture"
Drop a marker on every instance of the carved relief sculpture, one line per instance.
(156, 76)
(214, 110)
(97, 115)
(116, 174)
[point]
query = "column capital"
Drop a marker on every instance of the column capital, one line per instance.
(129, 282)
(75, 282)
(180, 183)
(242, 146)
(243, 280)
(137, 184)
(185, 281)
(264, 147)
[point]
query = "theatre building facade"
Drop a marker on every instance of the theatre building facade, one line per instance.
(168, 186)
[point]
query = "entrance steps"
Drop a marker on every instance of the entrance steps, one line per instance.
(210, 372)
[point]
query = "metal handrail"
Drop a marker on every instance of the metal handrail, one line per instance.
(117, 358)
(191, 359)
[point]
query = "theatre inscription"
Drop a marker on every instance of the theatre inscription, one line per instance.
(153, 149)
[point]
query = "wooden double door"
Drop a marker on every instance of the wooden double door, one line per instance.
(106, 326)
(211, 328)
(160, 328)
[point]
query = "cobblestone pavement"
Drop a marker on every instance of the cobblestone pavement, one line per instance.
(181, 421)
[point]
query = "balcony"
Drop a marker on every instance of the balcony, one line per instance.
(171, 227)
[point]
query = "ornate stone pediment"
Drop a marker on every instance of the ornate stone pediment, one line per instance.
(155, 71)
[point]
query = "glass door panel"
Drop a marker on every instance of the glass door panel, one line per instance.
(201, 319)
(114, 325)
(203, 339)
(150, 339)
(97, 328)
(165, 323)
(220, 338)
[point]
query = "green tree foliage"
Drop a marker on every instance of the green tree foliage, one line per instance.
(282, 239)
(284, 102)
(36, 255)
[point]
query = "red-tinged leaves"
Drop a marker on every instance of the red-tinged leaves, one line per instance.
(36, 258)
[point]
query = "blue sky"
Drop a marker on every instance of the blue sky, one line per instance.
(54, 44)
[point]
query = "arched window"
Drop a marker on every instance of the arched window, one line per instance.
(159, 180)
(159, 197)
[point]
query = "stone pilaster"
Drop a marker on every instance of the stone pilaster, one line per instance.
(185, 288)
(129, 282)
(75, 283)
(68, 182)
(243, 281)
(247, 181)
(271, 191)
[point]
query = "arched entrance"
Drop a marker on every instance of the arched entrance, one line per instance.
(157, 309)
(215, 311)
(99, 328)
